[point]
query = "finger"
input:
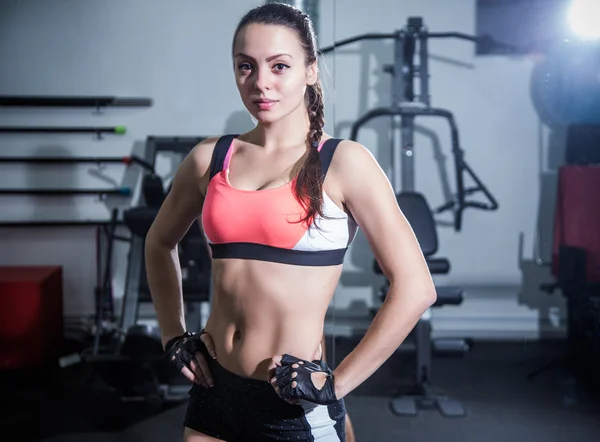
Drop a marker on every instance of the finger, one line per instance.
(210, 345)
(271, 370)
(188, 374)
(270, 374)
(203, 367)
(277, 360)
(200, 378)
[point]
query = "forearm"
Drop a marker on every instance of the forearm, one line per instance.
(164, 280)
(400, 312)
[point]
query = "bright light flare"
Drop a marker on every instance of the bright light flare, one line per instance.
(583, 17)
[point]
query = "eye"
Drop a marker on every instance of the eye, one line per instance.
(244, 67)
(281, 67)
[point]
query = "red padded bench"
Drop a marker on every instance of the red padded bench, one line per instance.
(31, 316)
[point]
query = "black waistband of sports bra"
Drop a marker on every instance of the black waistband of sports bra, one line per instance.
(262, 252)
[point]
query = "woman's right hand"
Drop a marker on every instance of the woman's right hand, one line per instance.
(184, 352)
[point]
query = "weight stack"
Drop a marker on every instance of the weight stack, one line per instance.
(31, 316)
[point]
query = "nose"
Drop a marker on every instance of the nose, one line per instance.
(262, 80)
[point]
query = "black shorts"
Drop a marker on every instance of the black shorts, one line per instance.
(243, 409)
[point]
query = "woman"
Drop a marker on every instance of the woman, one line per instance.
(279, 206)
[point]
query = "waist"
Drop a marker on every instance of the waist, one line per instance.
(246, 345)
(262, 309)
(236, 381)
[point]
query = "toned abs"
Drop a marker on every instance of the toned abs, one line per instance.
(261, 309)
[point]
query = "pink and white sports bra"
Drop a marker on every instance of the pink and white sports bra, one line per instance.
(264, 224)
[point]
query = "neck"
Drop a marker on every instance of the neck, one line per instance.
(286, 132)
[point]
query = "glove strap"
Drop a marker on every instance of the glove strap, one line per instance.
(173, 341)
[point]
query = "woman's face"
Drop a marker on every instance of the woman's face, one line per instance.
(270, 71)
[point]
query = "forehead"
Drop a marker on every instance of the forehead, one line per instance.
(261, 41)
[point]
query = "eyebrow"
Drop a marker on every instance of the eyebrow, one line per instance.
(272, 57)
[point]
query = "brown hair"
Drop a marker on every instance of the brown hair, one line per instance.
(309, 184)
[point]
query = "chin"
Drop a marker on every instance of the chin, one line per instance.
(266, 117)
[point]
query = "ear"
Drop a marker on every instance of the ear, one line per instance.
(312, 74)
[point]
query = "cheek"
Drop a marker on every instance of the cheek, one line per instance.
(244, 85)
(292, 85)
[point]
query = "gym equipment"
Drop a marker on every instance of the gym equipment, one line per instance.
(56, 223)
(116, 130)
(575, 263)
(419, 215)
(72, 101)
(31, 317)
(408, 105)
(120, 191)
(565, 84)
(582, 144)
(193, 253)
(128, 160)
(130, 357)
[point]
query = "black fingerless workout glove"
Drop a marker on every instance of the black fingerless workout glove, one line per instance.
(180, 350)
(305, 388)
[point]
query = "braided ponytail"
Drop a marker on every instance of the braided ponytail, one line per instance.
(309, 185)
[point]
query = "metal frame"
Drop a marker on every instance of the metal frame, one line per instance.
(410, 42)
(135, 266)
(72, 101)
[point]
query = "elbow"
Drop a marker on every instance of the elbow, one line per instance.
(430, 297)
(428, 293)
(423, 299)
(154, 242)
(421, 292)
(150, 242)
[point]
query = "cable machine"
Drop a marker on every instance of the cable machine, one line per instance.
(407, 103)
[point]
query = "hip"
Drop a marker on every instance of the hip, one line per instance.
(242, 408)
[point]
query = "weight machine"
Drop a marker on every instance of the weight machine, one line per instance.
(411, 41)
(129, 357)
(193, 253)
(575, 256)
(408, 104)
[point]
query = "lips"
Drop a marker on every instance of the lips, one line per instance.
(264, 104)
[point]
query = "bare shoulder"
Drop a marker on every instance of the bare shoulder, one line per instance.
(194, 169)
(185, 199)
(200, 156)
(352, 160)
(368, 195)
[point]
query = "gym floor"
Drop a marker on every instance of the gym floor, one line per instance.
(491, 381)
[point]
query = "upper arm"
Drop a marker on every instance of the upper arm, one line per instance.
(368, 194)
(183, 204)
